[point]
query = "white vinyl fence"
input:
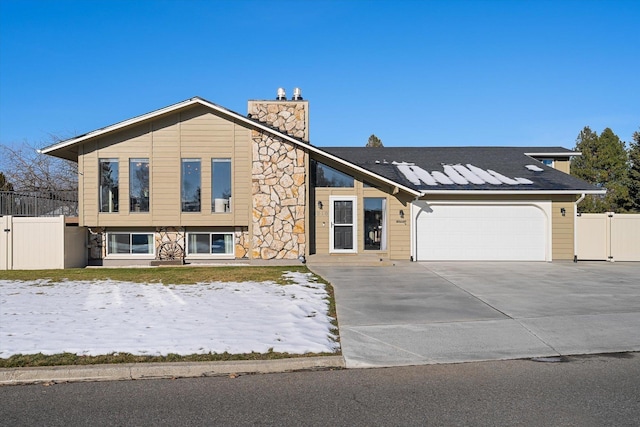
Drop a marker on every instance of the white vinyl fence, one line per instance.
(33, 243)
(608, 236)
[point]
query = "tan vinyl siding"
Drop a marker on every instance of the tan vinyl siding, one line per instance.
(398, 231)
(562, 230)
(562, 165)
(191, 133)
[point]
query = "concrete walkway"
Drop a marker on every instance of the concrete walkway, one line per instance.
(422, 313)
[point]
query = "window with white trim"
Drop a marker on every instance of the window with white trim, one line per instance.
(210, 244)
(120, 243)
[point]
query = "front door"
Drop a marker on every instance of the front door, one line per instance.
(343, 231)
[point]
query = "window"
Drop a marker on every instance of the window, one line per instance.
(108, 192)
(375, 223)
(130, 244)
(190, 178)
(210, 244)
(139, 185)
(547, 162)
(326, 176)
(220, 185)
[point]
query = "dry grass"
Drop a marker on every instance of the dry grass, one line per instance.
(165, 275)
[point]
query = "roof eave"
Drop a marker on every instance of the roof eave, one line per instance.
(500, 192)
(554, 154)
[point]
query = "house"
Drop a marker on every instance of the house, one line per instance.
(197, 182)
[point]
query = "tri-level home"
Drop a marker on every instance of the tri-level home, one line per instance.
(196, 182)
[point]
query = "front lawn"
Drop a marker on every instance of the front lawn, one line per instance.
(124, 315)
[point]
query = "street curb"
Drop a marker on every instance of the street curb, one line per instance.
(140, 371)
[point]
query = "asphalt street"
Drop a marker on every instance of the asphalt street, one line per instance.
(585, 391)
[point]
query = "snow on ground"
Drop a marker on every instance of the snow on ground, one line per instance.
(103, 317)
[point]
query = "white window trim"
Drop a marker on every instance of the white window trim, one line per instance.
(130, 255)
(231, 255)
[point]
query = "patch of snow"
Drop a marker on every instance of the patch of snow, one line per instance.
(523, 181)
(503, 178)
(407, 172)
(468, 174)
(441, 178)
(102, 317)
(534, 168)
(486, 176)
(454, 175)
(424, 175)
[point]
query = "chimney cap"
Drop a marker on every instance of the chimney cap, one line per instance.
(297, 94)
(281, 94)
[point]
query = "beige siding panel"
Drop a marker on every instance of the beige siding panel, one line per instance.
(89, 190)
(562, 165)
(562, 230)
(399, 231)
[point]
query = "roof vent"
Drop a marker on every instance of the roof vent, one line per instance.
(282, 95)
(297, 94)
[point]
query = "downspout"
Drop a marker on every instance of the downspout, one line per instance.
(415, 230)
(575, 227)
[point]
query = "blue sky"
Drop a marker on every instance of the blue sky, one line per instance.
(415, 73)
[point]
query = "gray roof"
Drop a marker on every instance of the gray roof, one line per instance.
(508, 163)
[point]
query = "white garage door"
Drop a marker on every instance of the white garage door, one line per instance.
(480, 233)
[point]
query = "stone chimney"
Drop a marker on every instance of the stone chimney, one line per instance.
(279, 178)
(290, 117)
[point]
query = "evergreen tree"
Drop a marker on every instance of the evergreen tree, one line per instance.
(4, 184)
(634, 172)
(374, 141)
(604, 164)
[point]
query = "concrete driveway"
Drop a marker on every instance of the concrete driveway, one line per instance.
(422, 313)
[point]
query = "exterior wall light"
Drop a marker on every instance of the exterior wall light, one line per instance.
(401, 213)
(563, 211)
(320, 205)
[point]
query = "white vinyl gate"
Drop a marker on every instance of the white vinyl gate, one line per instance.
(608, 237)
(34, 243)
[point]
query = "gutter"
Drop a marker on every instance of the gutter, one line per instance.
(575, 227)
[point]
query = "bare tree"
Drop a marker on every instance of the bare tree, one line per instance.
(29, 170)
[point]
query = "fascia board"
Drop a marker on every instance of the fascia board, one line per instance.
(511, 192)
(550, 154)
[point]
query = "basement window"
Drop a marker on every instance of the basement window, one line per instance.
(130, 244)
(210, 244)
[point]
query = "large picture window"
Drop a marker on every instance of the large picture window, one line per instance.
(375, 223)
(108, 192)
(130, 244)
(220, 185)
(210, 244)
(139, 185)
(190, 179)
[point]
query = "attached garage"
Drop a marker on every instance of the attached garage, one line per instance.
(498, 231)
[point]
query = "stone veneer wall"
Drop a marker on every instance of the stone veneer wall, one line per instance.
(279, 179)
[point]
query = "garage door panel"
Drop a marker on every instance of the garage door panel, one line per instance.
(481, 232)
